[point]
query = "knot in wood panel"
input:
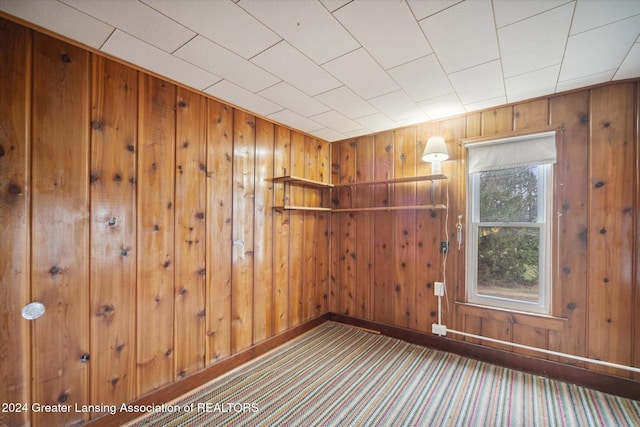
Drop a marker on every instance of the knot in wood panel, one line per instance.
(106, 310)
(14, 190)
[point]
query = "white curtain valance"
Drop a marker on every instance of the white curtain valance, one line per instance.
(527, 150)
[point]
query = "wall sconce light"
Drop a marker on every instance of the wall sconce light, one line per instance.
(435, 153)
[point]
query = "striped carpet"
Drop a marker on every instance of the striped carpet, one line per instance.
(336, 375)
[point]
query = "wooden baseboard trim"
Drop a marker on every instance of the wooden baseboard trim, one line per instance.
(619, 386)
(181, 387)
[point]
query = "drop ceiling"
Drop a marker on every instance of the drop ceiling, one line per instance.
(338, 68)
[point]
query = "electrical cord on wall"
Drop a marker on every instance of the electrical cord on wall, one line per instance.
(446, 252)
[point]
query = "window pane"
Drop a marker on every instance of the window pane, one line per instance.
(509, 195)
(508, 261)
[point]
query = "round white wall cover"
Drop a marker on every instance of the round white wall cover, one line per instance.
(33, 310)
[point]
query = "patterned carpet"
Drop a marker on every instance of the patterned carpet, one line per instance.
(336, 375)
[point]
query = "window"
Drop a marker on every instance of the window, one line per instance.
(510, 202)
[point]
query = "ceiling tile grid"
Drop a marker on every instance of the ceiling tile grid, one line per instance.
(339, 69)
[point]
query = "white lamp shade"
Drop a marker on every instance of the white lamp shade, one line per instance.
(436, 150)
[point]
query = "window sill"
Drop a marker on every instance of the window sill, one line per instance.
(511, 316)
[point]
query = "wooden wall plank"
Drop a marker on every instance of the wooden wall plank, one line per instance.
(454, 130)
(15, 217)
(499, 120)
(60, 232)
(611, 223)
(296, 232)
(405, 230)
(281, 222)
(334, 285)
(572, 183)
(347, 233)
(531, 336)
(263, 238)
(429, 230)
(383, 246)
(242, 267)
(364, 220)
(496, 329)
(113, 231)
(533, 114)
(219, 228)
(156, 238)
(323, 230)
(312, 197)
(636, 312)
(190, 233)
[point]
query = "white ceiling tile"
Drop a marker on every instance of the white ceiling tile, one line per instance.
(220, 21)
(486, 103)
(595, 13)
(377, 122)
(336, 121)
(479, 83)
(295, 121)
(228, 65)
(630, 67)
(332, 5)
(230, 93)
(286, 95)
(306, 25)
(509, 11)
(599, 50)
(583, 81)
(535, 43)
(463, 36)
(151, 58)
(328, 134)
(358, 132)
(531, 85)
(346, 102)
(386, 29)
(310, 61)
(442, 106)
(137, 19)
(397, 106)
(286, 62)
(413, 120)
(61, 19)
(362, 74)
(422, 79)
(423, 8)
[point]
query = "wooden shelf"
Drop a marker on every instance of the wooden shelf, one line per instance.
(390, 208)
(291, 179)
(305, 182)
(392, 181)
(302, 208)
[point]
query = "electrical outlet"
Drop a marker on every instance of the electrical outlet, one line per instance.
(439, 329)
(438, 289)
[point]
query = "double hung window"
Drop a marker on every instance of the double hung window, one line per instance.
(510, 200)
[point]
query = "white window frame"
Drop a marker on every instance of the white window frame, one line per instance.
(543, 223)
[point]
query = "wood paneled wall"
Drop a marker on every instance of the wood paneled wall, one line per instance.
(140, 214)
(386, 262)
